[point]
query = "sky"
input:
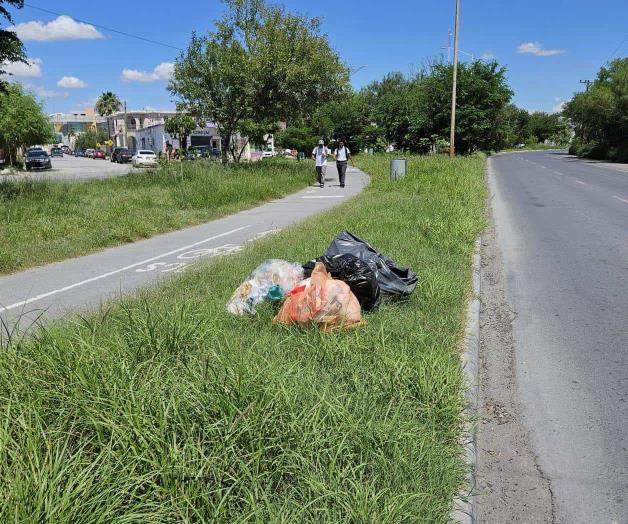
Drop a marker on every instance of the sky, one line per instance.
(547, 46)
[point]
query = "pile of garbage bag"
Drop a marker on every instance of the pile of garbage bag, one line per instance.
(329, 291)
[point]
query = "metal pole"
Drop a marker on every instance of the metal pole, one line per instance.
(452, 147)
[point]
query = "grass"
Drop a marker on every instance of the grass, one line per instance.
(163, 408)
(42, 222)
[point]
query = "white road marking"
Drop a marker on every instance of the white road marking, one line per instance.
(125, 268)
(558, 173)
(325, 196)
(620, 198)
(581, 182)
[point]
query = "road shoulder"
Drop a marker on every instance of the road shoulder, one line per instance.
(510, 485)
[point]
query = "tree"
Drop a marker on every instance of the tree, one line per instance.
(90, 139)
(301, 139)
(600, 115)
(261, 65)
(107, 104)
(11, 48)
(345, 118)
(181, 126)
(22, 121)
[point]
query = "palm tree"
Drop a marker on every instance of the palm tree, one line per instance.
(106, 105)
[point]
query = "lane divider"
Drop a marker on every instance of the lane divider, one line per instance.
(120, 270)
(620, 198)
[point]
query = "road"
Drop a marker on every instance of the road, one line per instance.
(51, 291)
(562, 228)
(70, 169)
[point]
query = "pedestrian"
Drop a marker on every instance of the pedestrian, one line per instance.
(342, 155)
(320, 154)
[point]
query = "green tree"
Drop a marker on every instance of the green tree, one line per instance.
(107, 104)
(302, 139)
(90, 139)
(262, 64)
(181, 126)
(550, 127)
(599, 116)
(22, 121)
(11, 48)
(346, 118)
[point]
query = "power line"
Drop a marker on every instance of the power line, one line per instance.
(104, 28)
(621, 44)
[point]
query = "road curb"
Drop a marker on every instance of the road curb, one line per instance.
(465, 503)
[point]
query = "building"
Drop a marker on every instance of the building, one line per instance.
(68, 126)
(127, 127)
(146, 130)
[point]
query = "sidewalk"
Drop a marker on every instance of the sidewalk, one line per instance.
(51, 291)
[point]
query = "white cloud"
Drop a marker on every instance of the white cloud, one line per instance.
(536, 48)
(31, 69)
(71, 82)
(61, 28)
(487, 56)
(163, 71)
(559, 104)
(46, 93)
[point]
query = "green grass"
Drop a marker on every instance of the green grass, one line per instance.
(163, 408)
(43, 222)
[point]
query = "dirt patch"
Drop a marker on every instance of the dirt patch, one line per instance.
(510, 485)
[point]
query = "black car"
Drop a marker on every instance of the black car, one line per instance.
(121, 155)
(56, 151)
(37, 159)
(79, 153)
(202, 152)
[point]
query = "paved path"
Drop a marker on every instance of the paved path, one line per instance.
(56, 289)
(70, 169)
(562, 225)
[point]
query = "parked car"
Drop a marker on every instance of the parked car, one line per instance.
(37, 159)
(268, 154)
(89, 153)
(202, 152)
(121, 155)
(79, 153)
(56, 151)
(144, 158)
(98, 153)
(66, 150)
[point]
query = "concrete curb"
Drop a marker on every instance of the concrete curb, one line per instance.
(465, 510)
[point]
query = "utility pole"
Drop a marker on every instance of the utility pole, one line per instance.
(586, 82)
(126, 136)
(452, 146)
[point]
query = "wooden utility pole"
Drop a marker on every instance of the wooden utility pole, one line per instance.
(452, 146)
(586, 82)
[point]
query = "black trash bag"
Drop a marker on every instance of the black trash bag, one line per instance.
(355, 273)
(393, 281)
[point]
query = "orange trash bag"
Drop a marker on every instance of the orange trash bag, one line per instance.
(321, 300)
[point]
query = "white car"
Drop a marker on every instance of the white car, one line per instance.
(144, 158)
(268, 154)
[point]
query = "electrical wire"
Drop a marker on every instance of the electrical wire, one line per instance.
(621, 44)
(104, 28)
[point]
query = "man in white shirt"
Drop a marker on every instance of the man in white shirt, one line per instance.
(320, 154)
(342, 156)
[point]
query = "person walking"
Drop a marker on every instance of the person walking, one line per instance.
(342, 155)
(320, 154)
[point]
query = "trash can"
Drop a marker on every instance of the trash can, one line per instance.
(398, 168)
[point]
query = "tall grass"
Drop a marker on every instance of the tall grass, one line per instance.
(43, 222)
(164, 408)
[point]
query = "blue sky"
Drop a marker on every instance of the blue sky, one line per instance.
(564, 42)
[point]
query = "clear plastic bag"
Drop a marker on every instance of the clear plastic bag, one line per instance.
(321, 300)
(271, 278)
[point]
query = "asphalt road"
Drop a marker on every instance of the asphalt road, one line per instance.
(52, 291)
(70, 169)
(562, 226)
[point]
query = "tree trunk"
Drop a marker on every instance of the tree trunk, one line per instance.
(226, 145)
